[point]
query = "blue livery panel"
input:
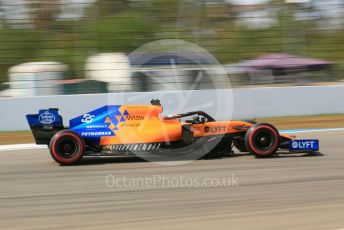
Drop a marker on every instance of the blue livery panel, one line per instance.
(304, 145)
(45, 117)
(99, 123)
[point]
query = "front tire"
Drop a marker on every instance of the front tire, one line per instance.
(262, 140)
(67, 147)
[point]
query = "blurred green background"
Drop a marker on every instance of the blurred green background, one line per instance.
(70, 31)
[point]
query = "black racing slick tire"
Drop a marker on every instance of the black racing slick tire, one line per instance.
(67, 147)
(262, 140)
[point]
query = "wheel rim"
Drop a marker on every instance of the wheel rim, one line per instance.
(67, 147)
(263, 140)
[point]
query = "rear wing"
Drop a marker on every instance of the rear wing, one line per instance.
(45, 124)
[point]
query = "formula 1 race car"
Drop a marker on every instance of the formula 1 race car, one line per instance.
(141, 129)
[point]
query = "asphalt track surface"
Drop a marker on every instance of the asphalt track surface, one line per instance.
(286, 192)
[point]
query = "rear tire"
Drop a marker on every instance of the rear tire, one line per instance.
(67, 147)
(262, 140)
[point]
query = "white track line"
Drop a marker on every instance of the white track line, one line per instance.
(310, 130)
(21, 147)
(34, 146)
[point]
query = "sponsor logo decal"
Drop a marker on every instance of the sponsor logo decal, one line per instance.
(215, 129)
(96, 134)
(294, 144)
(131, 118)
(96, 126)
(132, 147)
(304, 145)
(46, 118)
(87, 118)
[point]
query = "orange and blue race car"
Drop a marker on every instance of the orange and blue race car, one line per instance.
(143, 130)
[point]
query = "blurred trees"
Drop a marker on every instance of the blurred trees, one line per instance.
(43, 13)
(124, 25)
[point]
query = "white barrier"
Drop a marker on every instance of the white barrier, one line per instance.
(247, 103)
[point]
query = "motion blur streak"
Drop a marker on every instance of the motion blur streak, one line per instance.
(286, 192)
(79, 44)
